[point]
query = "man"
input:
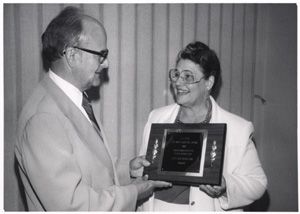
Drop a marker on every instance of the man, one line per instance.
(62, 152)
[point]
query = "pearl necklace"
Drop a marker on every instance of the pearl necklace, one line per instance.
(207, 117)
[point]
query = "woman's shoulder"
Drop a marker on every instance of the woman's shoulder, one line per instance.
(164, 109)
(163, 112)
(237, 127)
(233, 119)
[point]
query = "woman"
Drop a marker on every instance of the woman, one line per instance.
(194, 78)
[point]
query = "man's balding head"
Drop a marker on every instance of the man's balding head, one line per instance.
(67, 29)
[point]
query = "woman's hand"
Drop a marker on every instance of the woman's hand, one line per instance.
(214, 191)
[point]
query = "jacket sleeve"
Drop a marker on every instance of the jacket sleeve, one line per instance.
(247, 182)
(123, 169)
(55, 176)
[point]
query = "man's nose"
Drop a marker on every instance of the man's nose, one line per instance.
(105, 63)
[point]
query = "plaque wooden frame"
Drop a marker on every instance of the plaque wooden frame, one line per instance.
(209, 158)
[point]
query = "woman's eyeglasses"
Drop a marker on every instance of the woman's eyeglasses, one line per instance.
(103, 54)
(186, 75)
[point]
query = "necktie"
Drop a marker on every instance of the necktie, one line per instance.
(88, 108)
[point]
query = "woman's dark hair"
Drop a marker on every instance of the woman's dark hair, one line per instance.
(63, 31)
(202, 55)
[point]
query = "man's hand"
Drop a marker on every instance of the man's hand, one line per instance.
(136, 164)
(146, 187)
(214, 191)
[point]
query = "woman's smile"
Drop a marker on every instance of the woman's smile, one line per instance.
(182, 91)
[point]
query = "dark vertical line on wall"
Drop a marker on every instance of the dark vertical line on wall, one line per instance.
(17, 20)
(231, 55)
(195, 22)
(135, 76)
(40, 29)
(101, 17)
(152, 57)
(168, 55)
(119, 86)
(254, 63)
(208, 24)
(101, 13)
(243, 60)
(182, 25)
(221, 29)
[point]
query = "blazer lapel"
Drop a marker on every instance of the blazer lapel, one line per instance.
(104, 139)
(170, 117)
(83, 127)
(214, 111)
(109, 153)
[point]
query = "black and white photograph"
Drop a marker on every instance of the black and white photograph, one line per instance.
(85, 84)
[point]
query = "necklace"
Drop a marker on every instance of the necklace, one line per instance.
(207, 117)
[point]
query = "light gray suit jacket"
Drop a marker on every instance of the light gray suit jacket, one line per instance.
(64, 162)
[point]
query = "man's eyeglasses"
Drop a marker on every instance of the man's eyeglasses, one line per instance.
(102, 53)
(186, 75)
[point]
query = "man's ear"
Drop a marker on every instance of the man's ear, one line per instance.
(71, 56)
(210, 82)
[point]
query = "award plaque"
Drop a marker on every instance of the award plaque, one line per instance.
(187, 154)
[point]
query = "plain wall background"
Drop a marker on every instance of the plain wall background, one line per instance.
(143, 40)
(275, 120)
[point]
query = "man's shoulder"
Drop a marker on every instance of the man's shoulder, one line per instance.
(39, 102)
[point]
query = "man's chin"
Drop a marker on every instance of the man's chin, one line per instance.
(96, 84)
(96, 81)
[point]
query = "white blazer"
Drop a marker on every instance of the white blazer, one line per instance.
(245, 178)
